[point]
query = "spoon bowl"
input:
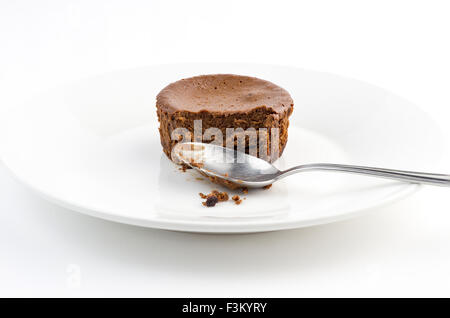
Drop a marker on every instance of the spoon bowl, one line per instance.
(226, 163)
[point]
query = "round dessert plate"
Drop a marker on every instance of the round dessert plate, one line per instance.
(93, 147)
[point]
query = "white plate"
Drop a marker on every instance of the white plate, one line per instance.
(93, 147)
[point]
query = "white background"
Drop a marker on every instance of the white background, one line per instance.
(400, 250)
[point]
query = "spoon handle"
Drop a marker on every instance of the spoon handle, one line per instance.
(408, 176)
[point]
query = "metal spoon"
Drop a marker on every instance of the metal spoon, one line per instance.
(250, 171)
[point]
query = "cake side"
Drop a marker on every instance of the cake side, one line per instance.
(262, 120)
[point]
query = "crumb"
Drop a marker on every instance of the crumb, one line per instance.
(200, 179)
(196, 164)
(211, 201)
(245, 190)
(237, 199)
(213, 198)
(227, 183)
(184, 168)
(220, 180)
(222, 196)
(267, 186)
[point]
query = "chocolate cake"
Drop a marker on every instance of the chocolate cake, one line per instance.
(226, 101)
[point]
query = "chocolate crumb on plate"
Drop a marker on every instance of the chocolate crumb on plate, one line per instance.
(211, 201)
(229, 184)
(222, 196)
(182, 168)
(237, 199)
(217, 197)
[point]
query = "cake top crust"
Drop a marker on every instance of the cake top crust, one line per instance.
(223, 93)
